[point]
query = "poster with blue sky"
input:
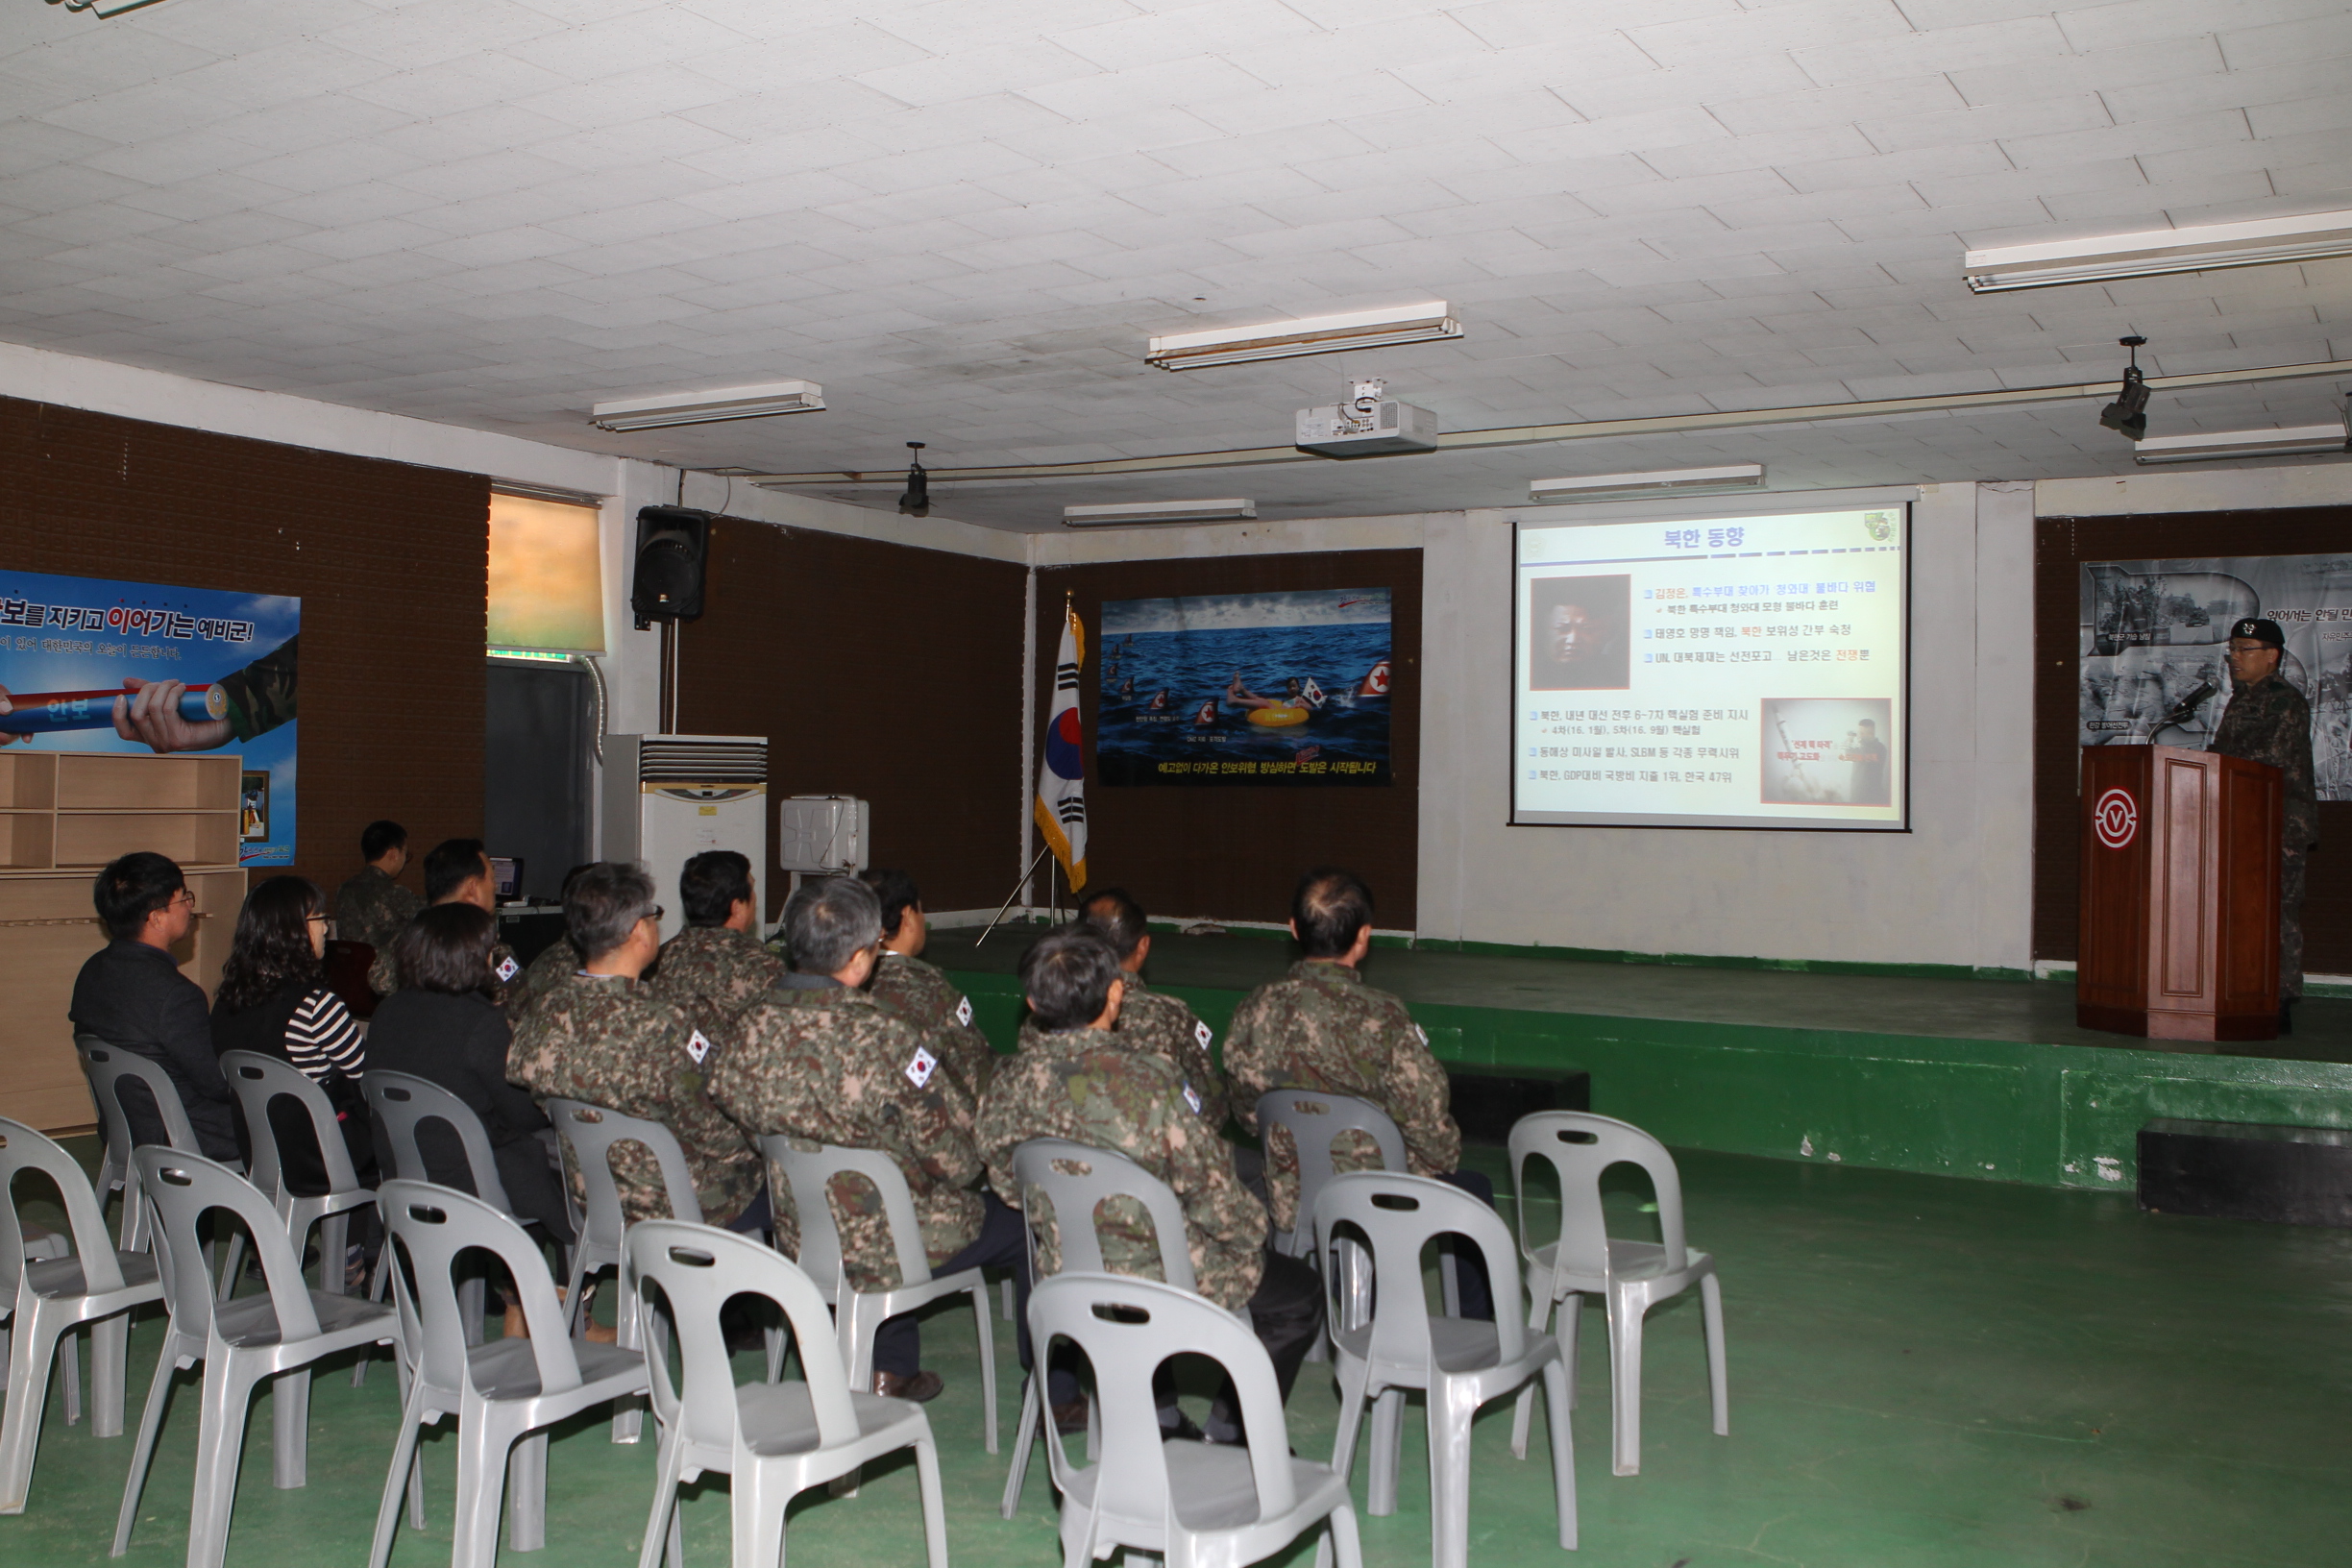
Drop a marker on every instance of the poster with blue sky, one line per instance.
(1285, 687)
(92, 665)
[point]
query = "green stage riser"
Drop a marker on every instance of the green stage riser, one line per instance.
(2052, 1116)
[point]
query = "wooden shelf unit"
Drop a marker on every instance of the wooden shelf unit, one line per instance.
(63, 815)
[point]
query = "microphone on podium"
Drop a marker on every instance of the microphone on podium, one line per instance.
(2186, 706)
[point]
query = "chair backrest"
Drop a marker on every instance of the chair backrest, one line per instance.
(807, 1176)
(431, 1226)
(404, 1104)
(22, 1149)
(1579, 1146)
(260, 1082)
(183, 1187)
(1127, 1328)
(1315, 1121)
(1397, 1216)
(700, 1268)
(1077, 1180)
(109, 1067)
(590, 1133)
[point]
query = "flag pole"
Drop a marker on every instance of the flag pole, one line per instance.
(1015, 893)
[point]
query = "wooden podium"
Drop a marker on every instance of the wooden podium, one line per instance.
(2180, 894)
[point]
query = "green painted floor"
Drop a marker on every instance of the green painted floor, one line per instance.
(1924, 1372)
(2032, 1012)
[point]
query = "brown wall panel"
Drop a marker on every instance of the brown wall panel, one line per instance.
(875, 669)
(1229, 851)
(2061, 545)
(390, 561)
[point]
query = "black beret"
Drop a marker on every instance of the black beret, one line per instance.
(2265, 632)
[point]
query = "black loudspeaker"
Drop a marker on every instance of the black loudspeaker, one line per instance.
(672, 553)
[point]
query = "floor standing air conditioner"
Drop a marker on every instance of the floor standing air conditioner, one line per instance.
(668, 797)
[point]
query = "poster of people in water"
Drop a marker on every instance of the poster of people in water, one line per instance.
(92, 665)
(2154, 633)
(1288, 688)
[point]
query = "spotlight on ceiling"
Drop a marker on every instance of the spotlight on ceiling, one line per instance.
(1112, 515)
(2127, 415)
(1422, 323)
(916, 502)
(2204, 248)
(2216, 446)
(1673, 480)
(709, 408)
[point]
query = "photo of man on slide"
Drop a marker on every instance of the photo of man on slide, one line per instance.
(1577, 633)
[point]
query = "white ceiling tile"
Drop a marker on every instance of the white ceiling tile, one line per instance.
(2059, 74)
(1813, 109)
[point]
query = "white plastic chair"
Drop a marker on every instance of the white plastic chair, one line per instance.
(806, 1178)
(114, 1127)
(1074, 1180)
(1194, 1503)
(258, 1081)
(774, 1439)
(504, 1395)
(1630, 1277)
(275, 1334)
(48, 1296)
(1461, 1363)
(108, 1067)
(402, 1105)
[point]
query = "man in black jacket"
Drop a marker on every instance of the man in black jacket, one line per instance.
(132, 994)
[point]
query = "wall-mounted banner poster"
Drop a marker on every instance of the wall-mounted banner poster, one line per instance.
(1246, 689)
(2154, 633)
(90, 665)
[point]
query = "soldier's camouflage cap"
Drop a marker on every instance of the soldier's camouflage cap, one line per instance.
(2265, 632)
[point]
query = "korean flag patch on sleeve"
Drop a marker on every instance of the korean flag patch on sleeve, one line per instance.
(919, 1066)
(1192, 1097)
(1200, 1032)
(697, 1046)
(507, 969)
(964, 1011)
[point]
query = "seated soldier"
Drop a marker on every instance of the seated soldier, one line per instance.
(457, 871)
(1072, 1080)
(1153, 1020)
(833, 1065)
(557, 958)
(600, 1037)
(909, 987)
(1322, 1027)
(717, 958)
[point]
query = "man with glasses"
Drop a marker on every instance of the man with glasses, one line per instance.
(132, 994)
(600, 1037)
(457, 871)
(2269, 720)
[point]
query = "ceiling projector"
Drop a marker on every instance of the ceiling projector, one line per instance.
(1366, 425)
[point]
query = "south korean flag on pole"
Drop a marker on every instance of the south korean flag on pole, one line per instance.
(1061, 792)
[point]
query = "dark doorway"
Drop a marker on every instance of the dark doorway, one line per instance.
(538, 742)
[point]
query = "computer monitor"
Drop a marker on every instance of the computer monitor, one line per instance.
(506, 871)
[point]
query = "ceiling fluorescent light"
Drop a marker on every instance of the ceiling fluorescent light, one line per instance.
(1423, 323)
(2215, 446)
(709, 408)
(1114, 514)
(2205, 248)
(1679, 481)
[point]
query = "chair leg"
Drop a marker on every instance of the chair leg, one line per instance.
(1563, 1451)
(1449, 1468)
(779, 1343)
(1719, 1384)
(142, 1452)
(335, 1240)
(1625, 1325)
(1352, 1391)
(934, 1505)
(757, 1507)
(397, 1479)
(1024, 1438)
(220, 1441)
(110, 1343)
(1522, 1407)
(1346, 1546)
(234, 1267)
(289, 1429)
(1388, 1453)
(668, 1467)
(527, 1493)
(481, 1480)
(32, 1346)
(629, 1410)
(1004, 1297)
(72, 1368)
(473, 1302)
(987, 1364)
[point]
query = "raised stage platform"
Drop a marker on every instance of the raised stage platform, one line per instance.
(1965, 1077)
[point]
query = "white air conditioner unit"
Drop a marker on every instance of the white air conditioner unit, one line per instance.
(668, 797)
(822, 835)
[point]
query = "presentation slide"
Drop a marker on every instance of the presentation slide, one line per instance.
(1725, 672)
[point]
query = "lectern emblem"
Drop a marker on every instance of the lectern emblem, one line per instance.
(2117, 819)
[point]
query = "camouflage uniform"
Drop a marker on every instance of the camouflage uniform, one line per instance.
(923, 993)
(505, 969)
(727, 968)
(261, 694)
(1085, 1086)
(1155, 1021)
(372, 908)
(2269, 721)
(833, 1066)
(1322, 1027)
(556, 960)
(612, 1043)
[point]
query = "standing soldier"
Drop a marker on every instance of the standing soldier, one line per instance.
(1322, 1027)
(602, 1038)
(716, 958)
(832, 1066)
(1074, 1079)
(2269, 720)
(912, 988)
(373, 907)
